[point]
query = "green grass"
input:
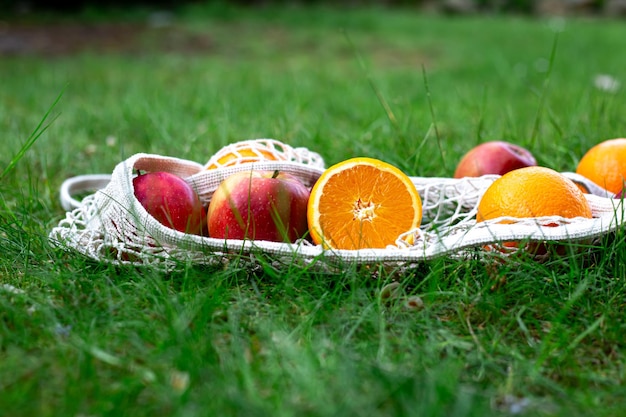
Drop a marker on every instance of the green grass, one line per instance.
(82, 338)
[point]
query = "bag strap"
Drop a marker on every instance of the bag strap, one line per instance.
(81, 184)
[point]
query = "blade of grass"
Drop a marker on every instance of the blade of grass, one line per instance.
(379, 95)
(549, 344)
(592, 328)
(39, 130)
(432, 115)
(544, 92)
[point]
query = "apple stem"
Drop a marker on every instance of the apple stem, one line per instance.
(275, 174)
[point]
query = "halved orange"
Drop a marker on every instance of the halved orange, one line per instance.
(362, 203)
(244, 152)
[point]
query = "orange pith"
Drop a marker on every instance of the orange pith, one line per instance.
(362, 203)
(532, 192)
(605, 164)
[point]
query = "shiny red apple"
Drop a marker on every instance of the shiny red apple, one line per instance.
(170, 200)
(494, 157)
(261, 205)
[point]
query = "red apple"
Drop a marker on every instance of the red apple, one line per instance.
(170, 200)
(261, 205)
(495, 157)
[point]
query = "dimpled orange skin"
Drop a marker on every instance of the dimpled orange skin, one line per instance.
(533, 192)
(605, 164)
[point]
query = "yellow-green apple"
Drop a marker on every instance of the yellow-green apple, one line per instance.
(170, 200)
(261, 205)
(494, 157)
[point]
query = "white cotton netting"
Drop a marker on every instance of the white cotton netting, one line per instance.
(111, 225)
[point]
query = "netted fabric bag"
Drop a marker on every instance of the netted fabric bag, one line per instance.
(262, 150)
(450, 207)
(111, 225)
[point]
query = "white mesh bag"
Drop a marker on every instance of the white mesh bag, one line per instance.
(111, 225)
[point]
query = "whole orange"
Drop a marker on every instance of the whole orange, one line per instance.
(533, 192)
(605, 164)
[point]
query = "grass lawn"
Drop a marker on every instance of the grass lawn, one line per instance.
(80, 338)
